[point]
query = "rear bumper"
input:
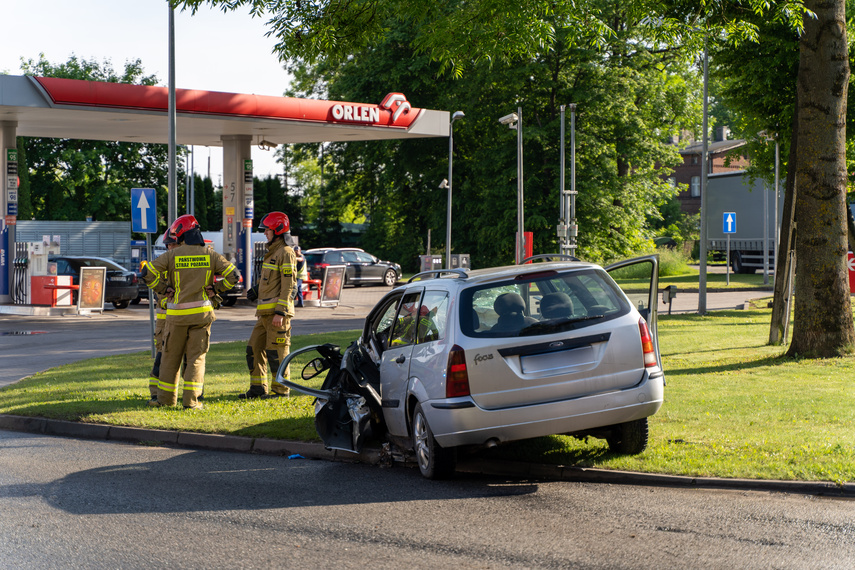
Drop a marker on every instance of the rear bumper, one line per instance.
(461, 422)
(119, 294)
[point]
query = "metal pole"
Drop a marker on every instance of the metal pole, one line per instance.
(192, 209)
(172, 191)
(562, 220)
(777, 233)
(151, 315)
(727, 260)
(702, 284)
(520, 202)
(574, 228)
(454, 117)
(765, 234)
(186, 182)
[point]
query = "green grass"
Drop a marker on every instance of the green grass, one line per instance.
(112, 390)
(734, 407)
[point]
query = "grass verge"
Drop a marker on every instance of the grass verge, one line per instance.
(734, 407)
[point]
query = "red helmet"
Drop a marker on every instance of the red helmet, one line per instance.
(181, 225)
(276, 221)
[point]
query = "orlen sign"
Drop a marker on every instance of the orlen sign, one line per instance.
(395, 104)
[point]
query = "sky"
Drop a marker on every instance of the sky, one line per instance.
(214, 51)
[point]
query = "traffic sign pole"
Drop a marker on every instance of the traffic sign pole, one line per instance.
(728, 226)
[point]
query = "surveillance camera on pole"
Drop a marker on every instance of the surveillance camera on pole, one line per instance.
(509, 120)
(444, 183)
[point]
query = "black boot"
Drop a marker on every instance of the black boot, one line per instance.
(253, 392)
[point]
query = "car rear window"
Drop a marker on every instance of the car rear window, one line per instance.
(540, 305)
(313, 258)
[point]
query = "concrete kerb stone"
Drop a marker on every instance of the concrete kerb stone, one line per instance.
(139, 435)
(76, 429)
(373, 456)
(22, 423)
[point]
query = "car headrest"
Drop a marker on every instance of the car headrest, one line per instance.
(508, 303)
(556, 306)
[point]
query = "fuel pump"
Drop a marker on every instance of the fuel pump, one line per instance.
(46, 287)
(20, 286)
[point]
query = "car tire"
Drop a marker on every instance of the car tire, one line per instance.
(229, 301)
(136, 301)
(121, 304)
(390, 278)
(629, 438)
(434, 462)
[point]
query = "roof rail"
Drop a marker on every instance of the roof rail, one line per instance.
(551, 257)
(436, 273)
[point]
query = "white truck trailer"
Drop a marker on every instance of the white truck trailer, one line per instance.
(735, 206)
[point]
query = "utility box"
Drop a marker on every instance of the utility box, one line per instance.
(460, 261)
(51, 290)
(430, 262)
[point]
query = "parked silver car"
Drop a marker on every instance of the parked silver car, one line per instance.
(477, 358)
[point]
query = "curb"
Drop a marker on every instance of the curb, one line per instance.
(375, 456)
(216, 442)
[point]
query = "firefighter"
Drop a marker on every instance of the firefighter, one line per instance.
(186, 276)
(302, 275)
(270, 341)
(159, 325)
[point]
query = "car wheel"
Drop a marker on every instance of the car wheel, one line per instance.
(136, 301)
(390, 278)
(229, 301)
(435, 462)
(629, 438)
(121, 304)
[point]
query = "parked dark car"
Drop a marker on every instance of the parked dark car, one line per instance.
(362, 268)
(121, 285)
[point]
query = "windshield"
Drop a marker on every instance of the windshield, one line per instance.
(547, 303)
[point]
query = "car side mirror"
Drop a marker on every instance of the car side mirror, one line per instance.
(313, 368)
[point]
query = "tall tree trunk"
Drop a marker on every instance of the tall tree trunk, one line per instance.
(823, 315)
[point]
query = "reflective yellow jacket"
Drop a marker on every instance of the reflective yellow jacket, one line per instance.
(189, 269)
(277, 282)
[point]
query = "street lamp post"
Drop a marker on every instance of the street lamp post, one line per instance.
(514, 121)
(447, 184)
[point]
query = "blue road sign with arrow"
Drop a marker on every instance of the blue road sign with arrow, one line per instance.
(143, 210)
(728, 223)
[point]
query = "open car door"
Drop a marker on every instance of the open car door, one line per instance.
(639, 280)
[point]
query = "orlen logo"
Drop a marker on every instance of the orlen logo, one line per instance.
(395, 102)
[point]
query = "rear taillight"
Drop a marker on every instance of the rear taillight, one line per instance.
(647, 344)
(456, 378)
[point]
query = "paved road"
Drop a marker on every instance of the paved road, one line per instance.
(30, 344)
(70, 503)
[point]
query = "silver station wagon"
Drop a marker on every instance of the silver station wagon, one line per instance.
(477, 358)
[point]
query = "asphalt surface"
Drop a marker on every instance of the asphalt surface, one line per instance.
(32, 343)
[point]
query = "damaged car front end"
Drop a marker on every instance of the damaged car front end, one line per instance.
(347, 405)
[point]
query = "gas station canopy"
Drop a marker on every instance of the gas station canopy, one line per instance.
(75, 109)
(93, 110)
